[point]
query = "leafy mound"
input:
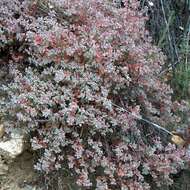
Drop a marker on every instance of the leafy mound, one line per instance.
(71, 62)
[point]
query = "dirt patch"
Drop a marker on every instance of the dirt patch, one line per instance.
(20, 174)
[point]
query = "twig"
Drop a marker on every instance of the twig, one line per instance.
(145, 120)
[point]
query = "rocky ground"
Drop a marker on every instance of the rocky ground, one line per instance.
(18, 175)
(16, 163)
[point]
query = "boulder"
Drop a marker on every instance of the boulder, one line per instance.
(14, 146)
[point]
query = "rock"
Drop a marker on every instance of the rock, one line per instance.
(14, 146)
(2, 131)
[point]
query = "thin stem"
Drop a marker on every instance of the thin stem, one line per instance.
(145, 120)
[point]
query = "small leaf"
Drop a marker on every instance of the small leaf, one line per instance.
(177, 140)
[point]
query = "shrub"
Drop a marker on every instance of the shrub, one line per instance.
(79, 59)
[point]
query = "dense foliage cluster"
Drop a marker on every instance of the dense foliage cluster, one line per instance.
(71, 62)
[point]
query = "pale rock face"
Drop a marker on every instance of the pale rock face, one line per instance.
(13, 147)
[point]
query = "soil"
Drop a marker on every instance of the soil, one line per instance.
(20, 174)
